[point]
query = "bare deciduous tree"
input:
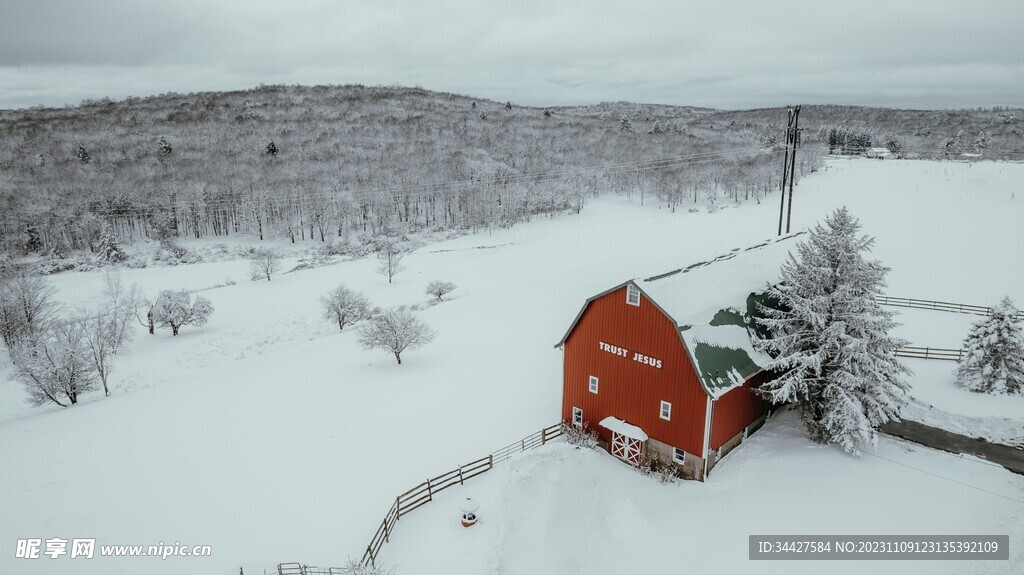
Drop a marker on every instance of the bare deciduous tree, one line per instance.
(390, 254)
(439, 289)
(395, 330)
(263, 264)
(345, 306)
(54, 364)
(106, 330)
(175, 308)
(26, 307)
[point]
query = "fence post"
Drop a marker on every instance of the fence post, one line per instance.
(461, 481)
(430, 492)
(398, 509)
(543, 436)
(490, 461)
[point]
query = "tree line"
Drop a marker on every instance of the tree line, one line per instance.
(311, 164)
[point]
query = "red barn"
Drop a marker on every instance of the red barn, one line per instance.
(664, 367)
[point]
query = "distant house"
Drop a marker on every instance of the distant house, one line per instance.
(879, 153)
(666, 366)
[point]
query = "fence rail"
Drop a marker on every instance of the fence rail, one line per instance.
(937, 305)
(931, 353)
(424, 493)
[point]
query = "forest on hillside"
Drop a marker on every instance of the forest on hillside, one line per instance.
(323, 162)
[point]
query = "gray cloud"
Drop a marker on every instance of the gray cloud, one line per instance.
(906, 53)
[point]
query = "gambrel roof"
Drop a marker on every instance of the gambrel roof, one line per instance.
(714, 303)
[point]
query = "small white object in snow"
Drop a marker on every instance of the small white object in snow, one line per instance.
(469, 505)
(623, 428)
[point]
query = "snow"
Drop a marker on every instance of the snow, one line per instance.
(623, 428)
(693, 297)
(271, 436)
(561, 510)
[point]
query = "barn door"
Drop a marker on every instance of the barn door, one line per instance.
(626, 448)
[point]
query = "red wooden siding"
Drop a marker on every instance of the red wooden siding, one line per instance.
(628, 389)
(735, 410)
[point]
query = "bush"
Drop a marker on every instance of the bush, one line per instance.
(579, 436)
(652, 465)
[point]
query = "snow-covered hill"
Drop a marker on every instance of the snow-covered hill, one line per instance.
(272, 437)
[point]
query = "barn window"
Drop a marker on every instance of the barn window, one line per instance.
(666, 410)
(577, 417)
(632, 295)
(678, 455)
(593, 384)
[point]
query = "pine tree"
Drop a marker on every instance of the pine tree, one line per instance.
(272, 148)
(83, 155)
(994, 353)
(830, 339)
(164, 148)
(109, 249)
(625, 125)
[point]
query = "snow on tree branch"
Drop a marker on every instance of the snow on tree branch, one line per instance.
(830, 339)
(994, 353)
(395, 330)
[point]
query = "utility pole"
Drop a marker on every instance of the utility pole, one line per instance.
(789, 166)
(792, 163)
(785, 169)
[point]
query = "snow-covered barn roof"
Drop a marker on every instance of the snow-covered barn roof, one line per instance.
(714, 303)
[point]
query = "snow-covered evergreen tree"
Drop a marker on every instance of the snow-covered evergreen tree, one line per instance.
(109, 250)
(164, 148)
(830, 339)
(994, 353)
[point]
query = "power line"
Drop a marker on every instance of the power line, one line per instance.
(943, 477)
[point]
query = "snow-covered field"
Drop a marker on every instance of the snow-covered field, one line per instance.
(559, 510)
(272, 437)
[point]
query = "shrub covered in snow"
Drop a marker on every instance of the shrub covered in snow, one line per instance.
(357, 568)
(395, 330)
(994, 353)
(652, 465)
(583, 436)
(175, 309)
(172, 253)
(830, 338)
(344, 306)
(439, 289)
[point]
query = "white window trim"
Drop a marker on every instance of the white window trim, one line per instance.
(676, 455)
(662, 410)
(632, 290)
(593, 384)
(575, 411)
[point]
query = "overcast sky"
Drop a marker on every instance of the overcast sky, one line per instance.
(726, 54)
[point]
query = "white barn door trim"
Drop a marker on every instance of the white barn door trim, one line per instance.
(627, 448)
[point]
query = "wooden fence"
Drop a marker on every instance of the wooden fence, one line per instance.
(937, 305)
(931, 353)
(424, 492)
